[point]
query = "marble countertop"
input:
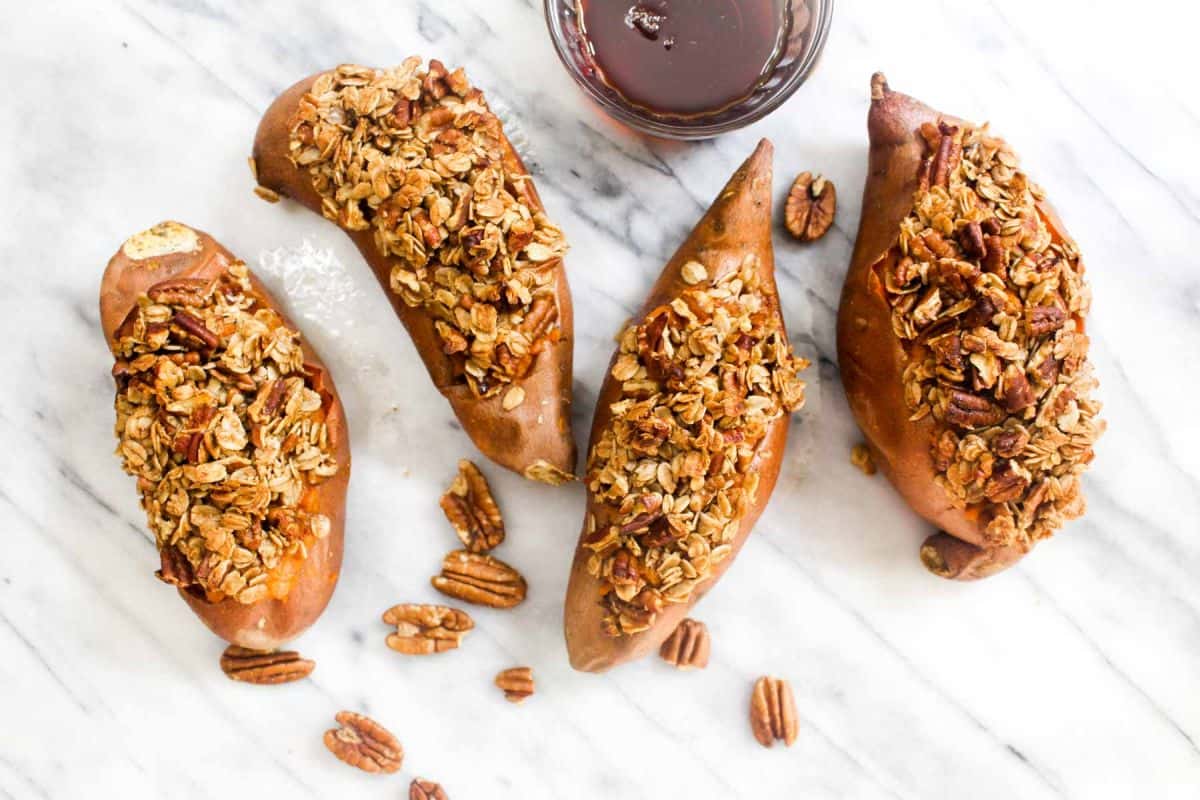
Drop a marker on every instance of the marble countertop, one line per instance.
(1075, 675)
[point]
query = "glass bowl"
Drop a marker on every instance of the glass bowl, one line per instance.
(797, 59)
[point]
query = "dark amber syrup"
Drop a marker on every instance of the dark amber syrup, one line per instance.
(684, 57)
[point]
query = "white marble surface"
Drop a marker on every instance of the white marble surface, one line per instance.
(1075, 675)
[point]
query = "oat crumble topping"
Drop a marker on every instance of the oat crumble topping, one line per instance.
(702, 378)
(990, 304)
(415, 156)
(223, 424)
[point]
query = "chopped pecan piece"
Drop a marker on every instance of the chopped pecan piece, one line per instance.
(773, 712)
(810, 208)
(472, 510)
(947, 350)
(480, 579)
(364, 743)
(264, 666)
(516, 683)
(425, 629)
(688, 646)
(1017, 393)
(944, 449)
(995, 259)
(176, 569)
(421, 789)
(970, 238)
(971, 411)
(1045, 319)
(1005, 484)
(1011, 442)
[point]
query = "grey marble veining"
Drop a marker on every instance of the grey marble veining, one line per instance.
(1074, 675)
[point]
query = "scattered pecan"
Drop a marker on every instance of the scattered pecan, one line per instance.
(811, 205)
(264, 666)
(971, 411)
(773, 712)
(480, 579)
(421, 789)
(364, 743)
(425, 629)
(472, 510)
(688, 646)
(860, 456)
(516, 683)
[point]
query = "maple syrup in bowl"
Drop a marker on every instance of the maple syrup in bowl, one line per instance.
(689, 69)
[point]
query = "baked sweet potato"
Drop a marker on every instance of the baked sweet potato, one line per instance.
(416, 169)
(235, 433)
(689, 431)
(961, 339)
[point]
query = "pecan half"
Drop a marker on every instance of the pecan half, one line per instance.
(810, 208)
(688, 646)
(195, 327)
(181, 291)
(773, 712)
(1045, 319)
(421, 789)
(947, 156)
(364, 743)
(479, 579)
(425, 629)
(472, 510)
(516, 683)
(971, 411)
(265, 667)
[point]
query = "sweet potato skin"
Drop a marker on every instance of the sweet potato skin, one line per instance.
(266, 624)
(539, 430)
(737, 224)
(871, 357)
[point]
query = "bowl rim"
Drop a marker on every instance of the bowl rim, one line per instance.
(663, 126)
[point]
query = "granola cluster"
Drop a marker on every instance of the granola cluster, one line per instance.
(702, 378)
(416, 157)
(990, 301)
(223, 425)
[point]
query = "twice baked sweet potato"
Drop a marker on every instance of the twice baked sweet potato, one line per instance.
(235, 433)
(961, 339)
(689, 431)
(416, 169)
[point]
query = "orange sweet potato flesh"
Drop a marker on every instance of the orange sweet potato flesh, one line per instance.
(736, 225)
(873, 359)
(537, 431)
(266, 624)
